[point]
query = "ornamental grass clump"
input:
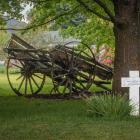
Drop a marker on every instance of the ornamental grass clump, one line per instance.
(109, 106)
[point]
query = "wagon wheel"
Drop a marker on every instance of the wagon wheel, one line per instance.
(23, 79)
(69, 77)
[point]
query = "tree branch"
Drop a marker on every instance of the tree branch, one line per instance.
(41, 24)
(93, 11)
(106, 9)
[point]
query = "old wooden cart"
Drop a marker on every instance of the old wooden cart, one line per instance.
(71, 70)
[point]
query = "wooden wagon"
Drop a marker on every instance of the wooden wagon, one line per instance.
(72, 70)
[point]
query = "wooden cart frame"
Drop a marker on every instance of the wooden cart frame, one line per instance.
(73, 68)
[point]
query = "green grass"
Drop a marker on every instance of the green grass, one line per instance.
(35, 119)
(30, 119)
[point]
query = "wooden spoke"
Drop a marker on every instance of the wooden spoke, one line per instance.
(77, 88)
(26, 82)
(70, 87)
(34, 81)
(65, 87)
(21, 84)
(83, 75)
(19, 77)
(17, 66)
(81, 83)
(22, 63)
(17, 72)
(31, 88)
(37, 76)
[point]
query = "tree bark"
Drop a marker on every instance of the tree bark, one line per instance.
(127, 34)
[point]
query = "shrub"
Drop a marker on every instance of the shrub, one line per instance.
(109, 106)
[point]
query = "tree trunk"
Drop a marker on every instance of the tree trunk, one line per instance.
(127, 34)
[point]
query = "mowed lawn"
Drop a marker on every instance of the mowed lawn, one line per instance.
(40, 119)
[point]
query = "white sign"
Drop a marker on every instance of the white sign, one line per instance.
(133, 82)
(129, 82)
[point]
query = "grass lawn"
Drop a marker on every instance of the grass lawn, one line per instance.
(30, 119)
(35, 119)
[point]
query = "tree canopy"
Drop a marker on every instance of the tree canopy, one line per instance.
(70, 17)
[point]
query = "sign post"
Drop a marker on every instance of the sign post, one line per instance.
(133, 82)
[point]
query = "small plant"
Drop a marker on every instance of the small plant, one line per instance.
(109, 106)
